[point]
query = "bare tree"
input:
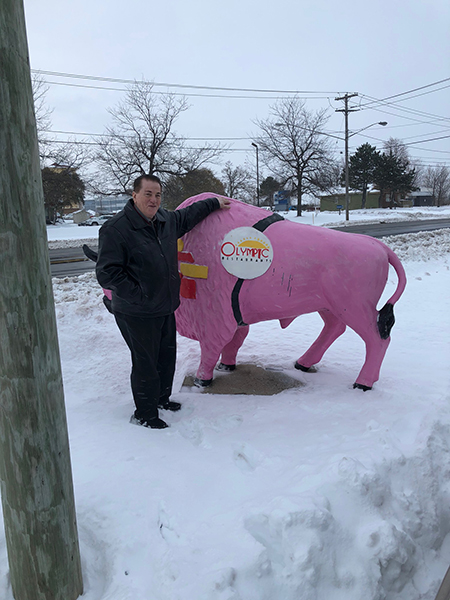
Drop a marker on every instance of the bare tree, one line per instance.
(398, 149)
(42, 113)
(141, 140)
(71, 153)
(238, 182)
(294, 147)
(437, 179)
(179, 187)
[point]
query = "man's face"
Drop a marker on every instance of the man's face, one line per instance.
(148, 198)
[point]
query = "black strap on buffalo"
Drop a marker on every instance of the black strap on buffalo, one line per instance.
(264, 223)
(260, 226)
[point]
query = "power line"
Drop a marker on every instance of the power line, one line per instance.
(425, 134)
(176, 85)
(430, 150)
(103, 135)
(373, 103)
(413, 90)
(231, 139)
(210, 139)
(228, 150)
(85, 143)
(404, 109)
(403, 125)
(230, 89)
(436, 120)
(184, 94)
(429, 140)
(410, 144)
(436, 165)
(128, 81)
(444, 87)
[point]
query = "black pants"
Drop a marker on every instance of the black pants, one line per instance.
(152, 342)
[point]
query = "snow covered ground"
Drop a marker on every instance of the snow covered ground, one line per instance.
(322, 493)
(68, 234)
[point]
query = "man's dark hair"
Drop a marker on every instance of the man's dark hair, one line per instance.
(138, 182)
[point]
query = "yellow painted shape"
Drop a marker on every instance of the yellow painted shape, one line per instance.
(180, 245)
(252, 244)
(195, 271)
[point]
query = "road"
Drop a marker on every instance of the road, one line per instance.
(381, 229)
(68, 262)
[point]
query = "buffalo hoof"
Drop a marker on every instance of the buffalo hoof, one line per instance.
(304, 369)
(202, 383)
(360, 386)
(227, 368)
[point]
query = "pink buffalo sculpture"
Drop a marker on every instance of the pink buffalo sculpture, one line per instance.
(248, 265)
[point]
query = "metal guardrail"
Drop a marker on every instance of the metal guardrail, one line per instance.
(61, 261)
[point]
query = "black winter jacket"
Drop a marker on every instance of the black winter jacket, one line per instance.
(140, 264)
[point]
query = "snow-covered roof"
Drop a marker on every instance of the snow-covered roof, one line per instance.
(421, 192)
(338, 191)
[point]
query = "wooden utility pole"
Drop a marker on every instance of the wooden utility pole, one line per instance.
(346, 110)
(35, 470)
(257, 172)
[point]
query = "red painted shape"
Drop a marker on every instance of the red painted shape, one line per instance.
(185, 257)
(188, 288)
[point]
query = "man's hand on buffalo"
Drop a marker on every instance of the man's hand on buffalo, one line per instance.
(224, 203)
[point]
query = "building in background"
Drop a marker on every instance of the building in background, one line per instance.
(282, 200)
(106, 205)
(336, 199)
(421, 197)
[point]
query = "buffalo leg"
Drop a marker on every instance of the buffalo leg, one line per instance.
(210, 352)
(332, 329)
(375, 351)
(229, 352)
(365, 325)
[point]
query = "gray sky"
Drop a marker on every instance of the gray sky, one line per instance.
(329, 47)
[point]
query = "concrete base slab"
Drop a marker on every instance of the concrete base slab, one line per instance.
(249, 380)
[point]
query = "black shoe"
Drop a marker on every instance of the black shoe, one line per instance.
(153, 423)
(170, 405)
(202, 383)
(227, 368)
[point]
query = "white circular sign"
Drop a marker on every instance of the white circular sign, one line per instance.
(246, 253)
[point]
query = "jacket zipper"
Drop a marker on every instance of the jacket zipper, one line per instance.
(167, 265)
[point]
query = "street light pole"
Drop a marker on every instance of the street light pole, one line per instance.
(347, 136)
(347, 110)
(257, 172)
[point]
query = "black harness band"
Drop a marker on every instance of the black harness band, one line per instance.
(260, 226)
(264, 223)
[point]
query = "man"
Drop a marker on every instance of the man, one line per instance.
(137, 261)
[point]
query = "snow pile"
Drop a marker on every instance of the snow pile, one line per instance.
(365, 533)
(319, 493)
(72, 242)
(375, 215)
(82, 289)
(420, 246)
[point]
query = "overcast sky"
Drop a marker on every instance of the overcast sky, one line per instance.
(328, 47)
